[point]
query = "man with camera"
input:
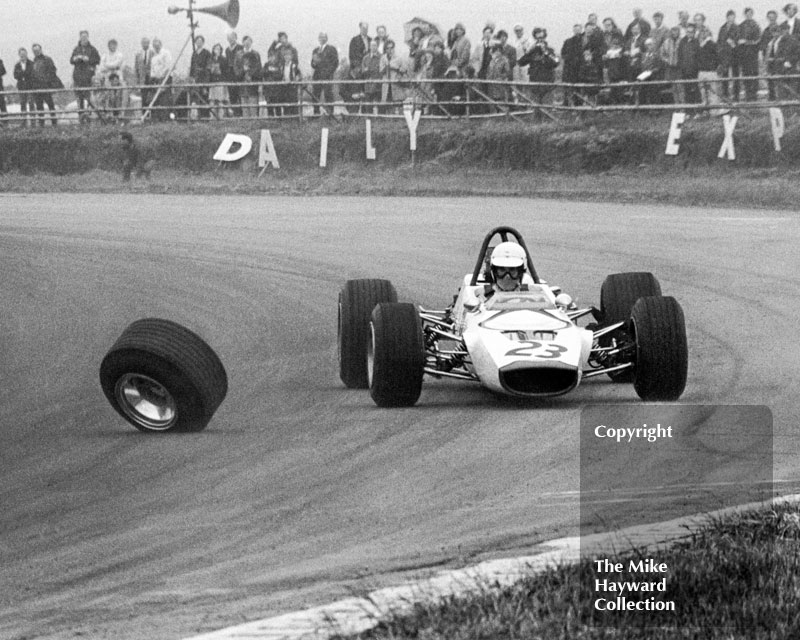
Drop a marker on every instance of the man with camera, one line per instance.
(542, 61)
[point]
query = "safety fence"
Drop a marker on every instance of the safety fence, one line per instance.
(438, 98)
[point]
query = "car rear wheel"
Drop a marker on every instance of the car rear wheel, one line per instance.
(662, 353)
(160, 376)
(618, 293)
(357, 299)
(395, 355)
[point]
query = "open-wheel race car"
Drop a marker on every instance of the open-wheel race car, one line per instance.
(513, 333)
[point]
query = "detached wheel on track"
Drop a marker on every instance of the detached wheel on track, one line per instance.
(618, 293)
(357, 299)
(160, 376)
(662, 353)
(395, 355)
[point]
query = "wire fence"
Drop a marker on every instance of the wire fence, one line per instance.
(438, 98)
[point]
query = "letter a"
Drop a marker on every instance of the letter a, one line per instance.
(778, 126)
(674, 134)
(370, 148)
(412, 121)
(224, 153)
(266, 151)
(727, 144)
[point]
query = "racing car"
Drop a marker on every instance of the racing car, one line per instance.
(528, 342)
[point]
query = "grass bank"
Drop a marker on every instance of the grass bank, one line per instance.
(765, 188)
(590, 145)
(737, 578)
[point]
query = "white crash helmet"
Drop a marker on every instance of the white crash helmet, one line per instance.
(507, 256)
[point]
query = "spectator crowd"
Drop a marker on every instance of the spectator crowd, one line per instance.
(649, 61)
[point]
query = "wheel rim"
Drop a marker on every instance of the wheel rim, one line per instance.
(370, 354)
(146, 402)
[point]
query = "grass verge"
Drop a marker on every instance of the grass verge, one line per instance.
(739, 577)
(761, 188)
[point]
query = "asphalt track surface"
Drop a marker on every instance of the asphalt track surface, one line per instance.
(300, 491)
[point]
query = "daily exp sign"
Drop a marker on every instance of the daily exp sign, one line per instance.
(236, 146)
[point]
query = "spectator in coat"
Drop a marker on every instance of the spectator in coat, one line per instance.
(273, 93)
(633, 52)
(651, 74)
(613, 59)
(669, 56)
(484, 52)
(590, 72)
(572, 55)
(771, 31)
(161, 67)
(233, 59)
(660, 31)
(508, 51)
(217, 75)
(542, 62)
(290, 72)
(84, 59)
(283, 43)
(371, 72)
(688, 50)
(460, 50)
(251, 69)
(707, 64)
(44, 77)
(200, 72)
(359, 47)
(747, 48)
(521, 44)
(790, 10)
(728, 55)
(394, 74)
(3, 108)
(782, 58)
(644, 25)
(141, 69)
(23, 74)
(324, 62)
(499, 70)
(381, 37)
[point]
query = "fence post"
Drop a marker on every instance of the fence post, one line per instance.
(300, 101)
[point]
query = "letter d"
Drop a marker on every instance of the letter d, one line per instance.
(224, 153)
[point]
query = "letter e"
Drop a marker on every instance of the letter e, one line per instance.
(674, 134)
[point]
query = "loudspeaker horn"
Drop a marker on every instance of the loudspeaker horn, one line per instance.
(227, 11)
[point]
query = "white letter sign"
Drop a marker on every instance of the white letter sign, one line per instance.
(674, 134)
(266, 151)
(370, 148)
(412, 121)
(727, 144)
(778, 126)
(224, 153)
(323, 148)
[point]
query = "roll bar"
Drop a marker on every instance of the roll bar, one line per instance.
(504, 233)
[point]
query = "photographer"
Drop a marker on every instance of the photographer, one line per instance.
(541, 61)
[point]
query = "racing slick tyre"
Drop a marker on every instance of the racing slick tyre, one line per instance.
(662, 354)
(395, 355)
(618, 293)
(357, 299)
(160, 376)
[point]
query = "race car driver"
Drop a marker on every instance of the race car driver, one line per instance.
(507, 266)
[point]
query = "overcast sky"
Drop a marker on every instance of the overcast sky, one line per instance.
(56, 23)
